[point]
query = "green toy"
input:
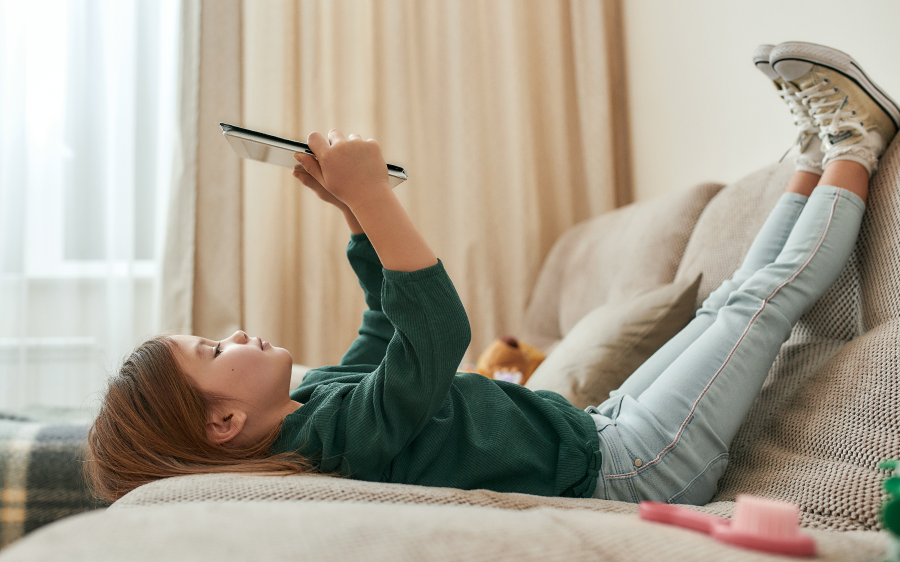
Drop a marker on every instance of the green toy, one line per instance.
(890, 509)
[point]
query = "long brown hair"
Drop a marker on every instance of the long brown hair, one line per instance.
(151, 425)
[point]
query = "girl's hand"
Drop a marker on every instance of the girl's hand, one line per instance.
(306, 179)
(324, 194)
(350, 168)
(354, 172)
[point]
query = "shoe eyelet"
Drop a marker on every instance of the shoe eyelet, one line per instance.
(825, 80)
(836, 90)
(853, 112)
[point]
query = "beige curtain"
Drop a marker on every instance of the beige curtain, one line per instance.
(508, 114)
(202, 279)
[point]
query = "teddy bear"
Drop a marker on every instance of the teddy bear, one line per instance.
(509, 359)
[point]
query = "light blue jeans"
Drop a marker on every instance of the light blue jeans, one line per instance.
(664, 434)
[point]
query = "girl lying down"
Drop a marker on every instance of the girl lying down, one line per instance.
(396, 410)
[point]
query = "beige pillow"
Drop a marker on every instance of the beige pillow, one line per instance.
(612, 341)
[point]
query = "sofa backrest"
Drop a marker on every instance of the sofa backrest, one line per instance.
(614, 255)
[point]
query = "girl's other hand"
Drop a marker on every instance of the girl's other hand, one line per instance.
(313, 184)
(306, 179)
(349, 168)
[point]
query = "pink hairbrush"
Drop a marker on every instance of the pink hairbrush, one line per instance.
(757, 523)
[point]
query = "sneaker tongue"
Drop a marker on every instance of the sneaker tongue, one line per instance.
(792, 69)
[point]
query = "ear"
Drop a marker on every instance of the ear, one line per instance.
(222, 427)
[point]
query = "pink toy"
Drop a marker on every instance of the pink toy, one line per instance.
(757, 523)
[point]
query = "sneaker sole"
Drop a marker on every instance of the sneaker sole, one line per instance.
(761, 60)
(839, 62)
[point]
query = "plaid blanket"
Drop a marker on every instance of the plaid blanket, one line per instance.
(41, 471)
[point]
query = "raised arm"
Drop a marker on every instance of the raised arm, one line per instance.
(354, 171)
(353, 177)
(388, 407)
(376, 330)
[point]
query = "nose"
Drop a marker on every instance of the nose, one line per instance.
(240, 336)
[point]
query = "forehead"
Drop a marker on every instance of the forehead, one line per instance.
(189, 349)
(187, 343)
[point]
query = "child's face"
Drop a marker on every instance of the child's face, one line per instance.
(242, 369)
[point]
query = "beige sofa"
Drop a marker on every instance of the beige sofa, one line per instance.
(827, 414)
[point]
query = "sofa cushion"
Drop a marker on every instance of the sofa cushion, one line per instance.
(879, 245)
(728, 224)
(307, 487)
(613, 340)
(827, 414)
(216, 531)
(615, 255)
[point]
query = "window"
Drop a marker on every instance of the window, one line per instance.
(87, 107)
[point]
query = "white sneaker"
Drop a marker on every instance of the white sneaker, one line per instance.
(810, 157)
(856, 119)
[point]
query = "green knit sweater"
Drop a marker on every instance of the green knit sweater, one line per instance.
(396, 410)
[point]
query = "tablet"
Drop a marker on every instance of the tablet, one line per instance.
(276, 150)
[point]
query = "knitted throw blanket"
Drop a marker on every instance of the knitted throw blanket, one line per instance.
(41, 474)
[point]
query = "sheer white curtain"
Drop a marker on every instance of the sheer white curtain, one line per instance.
(87, 117)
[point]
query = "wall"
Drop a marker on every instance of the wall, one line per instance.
(699, 108)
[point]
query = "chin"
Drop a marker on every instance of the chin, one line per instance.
(285, 353)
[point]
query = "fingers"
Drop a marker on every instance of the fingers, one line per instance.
(298, 156)
(304, 177)
(336, 136)
(310, 164)
(321, 147)
(317, 142)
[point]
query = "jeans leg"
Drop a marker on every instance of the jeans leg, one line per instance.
(672, 441)
(764, 250)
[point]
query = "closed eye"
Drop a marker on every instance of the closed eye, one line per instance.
(218, 350)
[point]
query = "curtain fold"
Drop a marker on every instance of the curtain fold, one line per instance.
(177, 267)
(500, 111)
(202, 278)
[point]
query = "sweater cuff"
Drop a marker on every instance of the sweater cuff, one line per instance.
(402, 277)
(360, 245)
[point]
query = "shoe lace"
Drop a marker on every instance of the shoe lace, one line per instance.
(802, 120)
(831, 111)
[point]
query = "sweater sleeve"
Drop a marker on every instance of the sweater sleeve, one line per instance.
(389, 407)
(376, 330)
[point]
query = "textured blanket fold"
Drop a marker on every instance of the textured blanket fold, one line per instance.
(41, 473)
